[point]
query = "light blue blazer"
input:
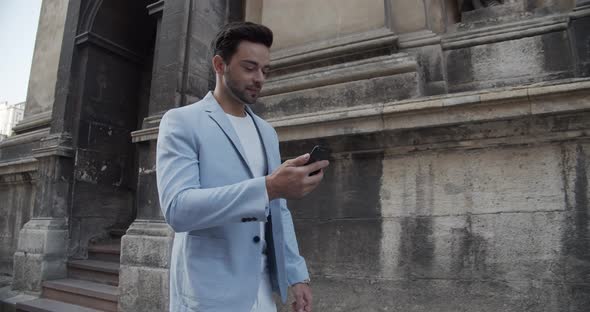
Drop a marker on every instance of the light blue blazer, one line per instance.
(210, 198)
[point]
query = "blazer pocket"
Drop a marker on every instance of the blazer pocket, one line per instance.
(203, 246)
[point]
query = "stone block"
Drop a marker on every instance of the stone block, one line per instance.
(350, 190)
(146, 251)
(513, 62)
(408, 16)
(436, 15)
(516, 247)
(15, 151)
(41, 253)
(350, 94)
(27, 271)
(493, 15)
(341, 247)
(319, 20)
(421, 295)
(42, 241)
(479, 181)
(17, 195)
(143, 289)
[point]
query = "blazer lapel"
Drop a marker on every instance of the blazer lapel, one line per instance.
(218, 115)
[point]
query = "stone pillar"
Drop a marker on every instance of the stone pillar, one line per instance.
(145, 248)
(181, 75)
(43, 78)
(42, 244)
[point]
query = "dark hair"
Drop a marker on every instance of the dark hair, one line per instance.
(229, 37)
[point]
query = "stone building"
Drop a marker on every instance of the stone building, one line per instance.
(459, 133)
(10, 115)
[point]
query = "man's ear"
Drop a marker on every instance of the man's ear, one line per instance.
(218, 64)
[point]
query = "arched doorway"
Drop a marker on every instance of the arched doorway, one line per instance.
(113, 66)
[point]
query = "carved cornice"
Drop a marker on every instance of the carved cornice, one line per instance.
(582, 9)
(341, 73)
(156, 228)
(149, 129)
(156, 8)
(504, 32)
(418, 39)
(98, 41)
(434, 111)
(323, 50)
(153, 120)
(28, 164)
(144, 135)
(33, 122)
(25, 138)
(55, 145)
(443, 110)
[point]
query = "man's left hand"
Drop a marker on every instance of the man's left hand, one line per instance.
(303, 299)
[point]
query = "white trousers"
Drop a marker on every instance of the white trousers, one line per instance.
(264, 301)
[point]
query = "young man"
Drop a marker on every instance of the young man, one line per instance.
(222, 190)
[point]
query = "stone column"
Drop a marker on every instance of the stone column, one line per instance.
(42, 247)
(181, 75)
(146, 246)
(43, 78)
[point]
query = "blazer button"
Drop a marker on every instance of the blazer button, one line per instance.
(256, 239)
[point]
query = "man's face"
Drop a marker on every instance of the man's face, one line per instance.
(246, 71)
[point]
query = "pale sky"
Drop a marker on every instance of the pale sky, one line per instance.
(18, 26)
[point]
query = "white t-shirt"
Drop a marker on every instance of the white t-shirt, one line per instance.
(252, 146)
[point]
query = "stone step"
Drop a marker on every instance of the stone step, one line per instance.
(107, 251)
(48, 305)
(99, 271)
(84, 293)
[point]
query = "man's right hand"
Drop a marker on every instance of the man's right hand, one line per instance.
(292, 180)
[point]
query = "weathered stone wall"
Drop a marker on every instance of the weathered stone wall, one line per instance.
(479, 216)
(18, 168)
(466, 201)
(17, 190)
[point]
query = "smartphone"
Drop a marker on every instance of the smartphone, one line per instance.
(318, 153)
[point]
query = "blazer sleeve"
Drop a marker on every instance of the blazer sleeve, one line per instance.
(295, 264)
(185, 205)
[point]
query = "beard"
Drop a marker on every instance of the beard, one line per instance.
(241, 94)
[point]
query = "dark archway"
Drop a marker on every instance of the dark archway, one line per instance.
(114, 56)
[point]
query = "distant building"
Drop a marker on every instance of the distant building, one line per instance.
(10, 115)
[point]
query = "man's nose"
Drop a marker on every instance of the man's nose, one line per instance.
(259, 77)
